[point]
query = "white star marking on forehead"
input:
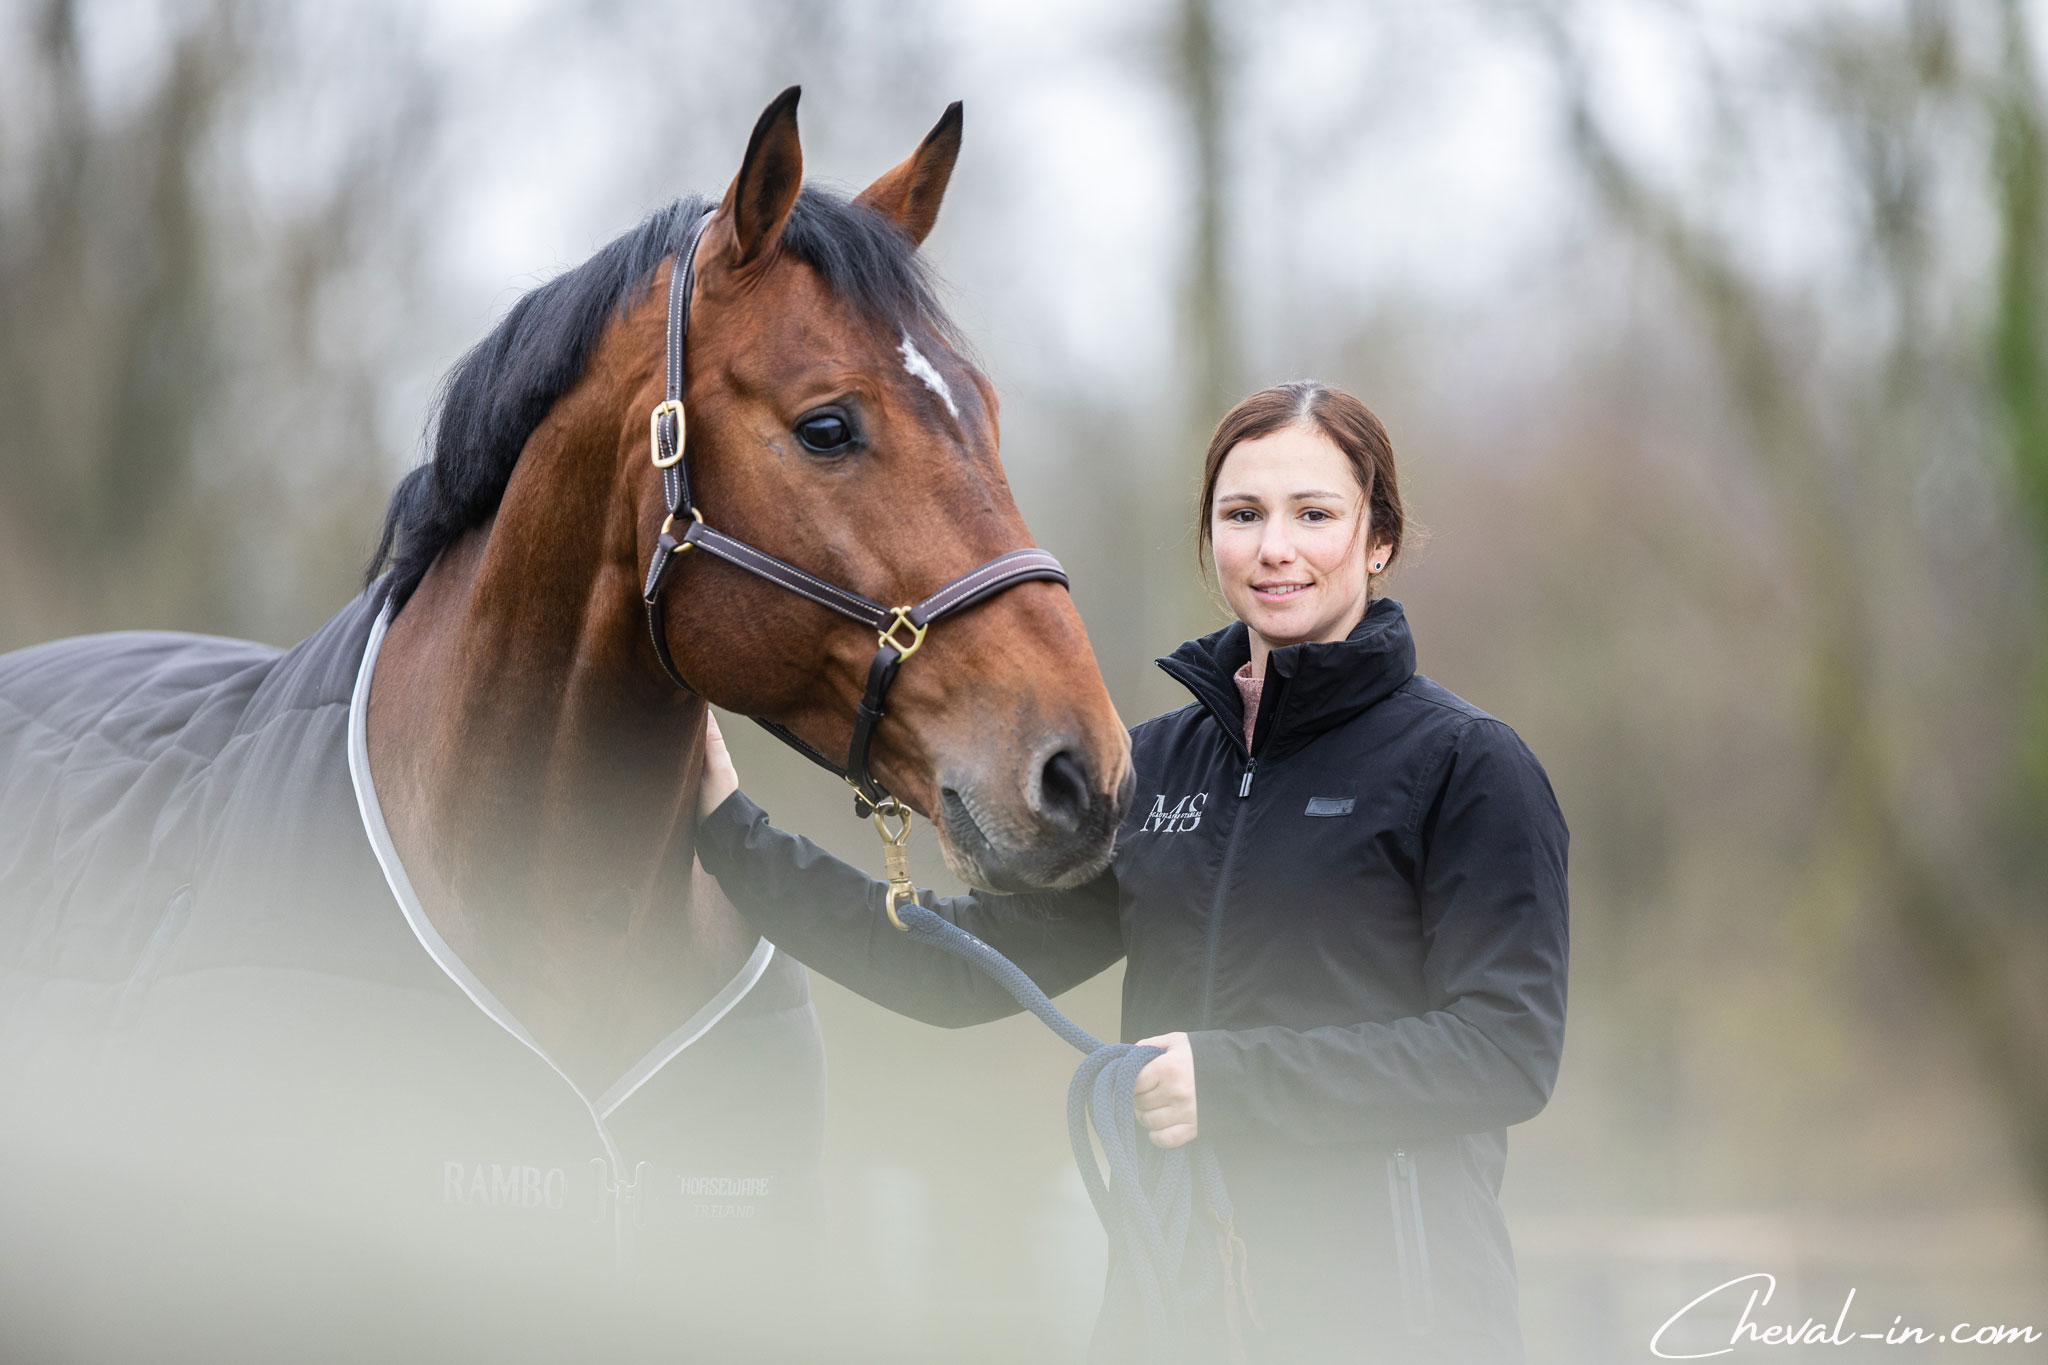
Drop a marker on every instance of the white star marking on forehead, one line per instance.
(921, 369)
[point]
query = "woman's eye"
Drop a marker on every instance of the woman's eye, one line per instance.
(1315, 516)
(1243, 516)
(825, 433)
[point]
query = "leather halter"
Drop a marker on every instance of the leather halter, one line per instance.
(899, 630)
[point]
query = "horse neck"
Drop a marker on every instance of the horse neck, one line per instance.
(545, 777)
(560, 751)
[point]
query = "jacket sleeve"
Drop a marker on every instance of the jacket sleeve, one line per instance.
(1490, 884)
(830, 916)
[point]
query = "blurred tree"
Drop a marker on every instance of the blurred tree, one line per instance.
(2019, 372)
(190, 369)
(1201, 85)
(1202, 67)
(1837, 446)
(105, 347)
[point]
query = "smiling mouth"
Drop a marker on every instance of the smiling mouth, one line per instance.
(1279, 589)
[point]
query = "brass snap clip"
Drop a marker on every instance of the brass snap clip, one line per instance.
(661, 410)
(895, 855)
(901, 621)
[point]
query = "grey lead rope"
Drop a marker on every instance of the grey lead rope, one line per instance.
(1147, 1205)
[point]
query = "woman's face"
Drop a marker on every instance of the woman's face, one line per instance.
(1291, 551)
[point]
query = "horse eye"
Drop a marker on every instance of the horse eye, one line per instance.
(825, 433)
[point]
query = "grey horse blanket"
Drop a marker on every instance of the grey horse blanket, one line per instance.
(227, 1032)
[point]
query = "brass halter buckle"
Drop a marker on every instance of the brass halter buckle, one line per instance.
(896, 855)
(661, 410)
(901, 621)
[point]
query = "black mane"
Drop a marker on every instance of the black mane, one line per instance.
(499, 392)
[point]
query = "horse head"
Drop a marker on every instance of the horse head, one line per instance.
(833, 422)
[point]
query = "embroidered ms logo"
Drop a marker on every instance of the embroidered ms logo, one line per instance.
(1185, 815)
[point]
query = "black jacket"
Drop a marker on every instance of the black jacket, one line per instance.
(1361, 924)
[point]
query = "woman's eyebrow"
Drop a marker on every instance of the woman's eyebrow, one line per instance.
(1305, 495)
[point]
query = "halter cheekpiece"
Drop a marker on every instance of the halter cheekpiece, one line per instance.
(899, 631)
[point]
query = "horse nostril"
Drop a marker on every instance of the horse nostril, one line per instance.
(1063, 790)
(953, 809)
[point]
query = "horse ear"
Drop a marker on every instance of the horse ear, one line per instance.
(909, 194)
(758, 202)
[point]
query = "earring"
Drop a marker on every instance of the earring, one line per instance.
(1375, 566)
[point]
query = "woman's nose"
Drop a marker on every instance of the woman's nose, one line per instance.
(1275, 547)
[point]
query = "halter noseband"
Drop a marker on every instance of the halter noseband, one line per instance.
(899, 630)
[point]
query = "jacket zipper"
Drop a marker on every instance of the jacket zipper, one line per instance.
(1411, 1246)
(1244, 791)
(1215, 935)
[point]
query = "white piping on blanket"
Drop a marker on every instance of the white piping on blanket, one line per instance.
(637, 1075)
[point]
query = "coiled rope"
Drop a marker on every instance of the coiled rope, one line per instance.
(1147, 1203)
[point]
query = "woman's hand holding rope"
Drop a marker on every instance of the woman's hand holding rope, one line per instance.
(1165, 1094)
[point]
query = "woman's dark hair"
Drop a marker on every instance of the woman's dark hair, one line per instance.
(1349, 425)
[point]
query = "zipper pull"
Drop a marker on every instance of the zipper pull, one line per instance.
(1244, 788)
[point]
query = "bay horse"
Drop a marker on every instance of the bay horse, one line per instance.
(206, 991)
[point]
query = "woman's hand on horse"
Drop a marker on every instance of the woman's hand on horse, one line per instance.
(721, 779)
(1165, 1092)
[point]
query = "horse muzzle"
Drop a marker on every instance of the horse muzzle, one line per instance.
(1054, 830)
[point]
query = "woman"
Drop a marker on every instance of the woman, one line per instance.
(1341, 891)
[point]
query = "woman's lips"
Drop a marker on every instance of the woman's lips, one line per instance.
(1279, 591)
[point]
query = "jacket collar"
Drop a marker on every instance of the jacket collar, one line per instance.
(1310, 688)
